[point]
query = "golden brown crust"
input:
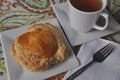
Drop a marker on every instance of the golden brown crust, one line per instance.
(39, 47)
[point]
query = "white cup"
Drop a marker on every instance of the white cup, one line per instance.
(85, 21)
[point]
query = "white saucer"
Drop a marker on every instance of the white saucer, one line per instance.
(76, 38)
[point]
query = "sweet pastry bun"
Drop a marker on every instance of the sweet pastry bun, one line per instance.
(39, 47)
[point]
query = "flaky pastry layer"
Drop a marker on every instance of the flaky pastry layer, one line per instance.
(39, 47)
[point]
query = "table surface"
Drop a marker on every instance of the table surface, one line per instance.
(18, 13)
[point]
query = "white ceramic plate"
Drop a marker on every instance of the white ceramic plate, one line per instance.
(17, 72)
(76, 38)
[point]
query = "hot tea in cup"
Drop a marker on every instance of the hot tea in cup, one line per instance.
(85, 13)
(87, 5)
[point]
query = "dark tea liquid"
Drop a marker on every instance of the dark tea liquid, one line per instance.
(87, 5)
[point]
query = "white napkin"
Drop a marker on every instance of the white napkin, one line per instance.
(107, 70)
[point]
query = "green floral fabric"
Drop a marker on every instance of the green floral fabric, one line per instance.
(114, 8)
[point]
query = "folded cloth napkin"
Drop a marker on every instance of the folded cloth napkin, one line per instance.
(109, 69)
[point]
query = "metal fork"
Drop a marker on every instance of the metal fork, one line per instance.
(99, 56)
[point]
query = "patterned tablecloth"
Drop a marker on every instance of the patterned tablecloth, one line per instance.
(18, 13)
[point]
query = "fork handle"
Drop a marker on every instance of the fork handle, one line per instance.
(79, 71)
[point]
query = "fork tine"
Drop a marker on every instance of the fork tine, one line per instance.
(107, 48)
(104, 48)
(109, 51)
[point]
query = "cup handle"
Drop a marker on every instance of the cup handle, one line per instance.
(102, 21)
